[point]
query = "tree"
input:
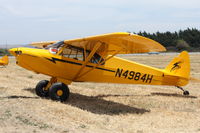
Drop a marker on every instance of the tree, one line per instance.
(182, 45)
(183, 39)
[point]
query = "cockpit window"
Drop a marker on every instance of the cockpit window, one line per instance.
(96, 58)
(79, 54)
(73, 52)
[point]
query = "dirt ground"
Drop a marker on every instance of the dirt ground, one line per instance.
(99, 108)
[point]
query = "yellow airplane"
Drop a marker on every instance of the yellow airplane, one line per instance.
(92, 59)
(4, 61)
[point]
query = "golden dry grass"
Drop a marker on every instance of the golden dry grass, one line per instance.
(99, 108)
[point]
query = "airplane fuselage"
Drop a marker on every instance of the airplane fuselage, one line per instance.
(115, 70)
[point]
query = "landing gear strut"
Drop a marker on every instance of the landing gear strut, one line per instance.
(185, 92)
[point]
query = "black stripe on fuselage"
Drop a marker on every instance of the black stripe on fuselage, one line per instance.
(56, 59)
(71, 62)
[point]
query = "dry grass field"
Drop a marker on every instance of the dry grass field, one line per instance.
(99, 108)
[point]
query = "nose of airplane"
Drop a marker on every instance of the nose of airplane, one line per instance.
(15, 51)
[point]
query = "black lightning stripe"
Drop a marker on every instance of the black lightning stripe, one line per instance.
(71, 62)
(56, 59)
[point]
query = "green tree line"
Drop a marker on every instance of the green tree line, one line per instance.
(188, 39)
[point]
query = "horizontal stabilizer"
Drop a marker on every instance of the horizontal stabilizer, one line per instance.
(195, 80)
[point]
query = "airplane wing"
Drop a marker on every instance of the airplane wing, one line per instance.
(120, 42)
(42, 44)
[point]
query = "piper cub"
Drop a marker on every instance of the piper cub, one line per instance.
(92, 59)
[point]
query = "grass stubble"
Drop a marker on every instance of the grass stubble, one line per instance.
(99, 108)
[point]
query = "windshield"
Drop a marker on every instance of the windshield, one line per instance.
(55, 45)
(78, 53)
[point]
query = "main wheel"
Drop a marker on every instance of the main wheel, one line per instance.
(40, 88)
(59, 92)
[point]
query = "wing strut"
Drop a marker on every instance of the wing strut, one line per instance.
(100, 63)
(97, 45)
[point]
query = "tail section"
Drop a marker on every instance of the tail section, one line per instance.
(180, 67)
(4, 60)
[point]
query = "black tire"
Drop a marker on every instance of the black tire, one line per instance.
(39, 89)
(59, 92)
(186, 93)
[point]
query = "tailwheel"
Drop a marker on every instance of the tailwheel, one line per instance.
(185, 92)
(41, 90)
(59, 92)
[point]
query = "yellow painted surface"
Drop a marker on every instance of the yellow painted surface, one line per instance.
(59, 92)
(4, 60)
(115, 70)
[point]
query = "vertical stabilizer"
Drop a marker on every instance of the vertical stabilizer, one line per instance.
(180, 67)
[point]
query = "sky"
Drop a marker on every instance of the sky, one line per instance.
(26, 21)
